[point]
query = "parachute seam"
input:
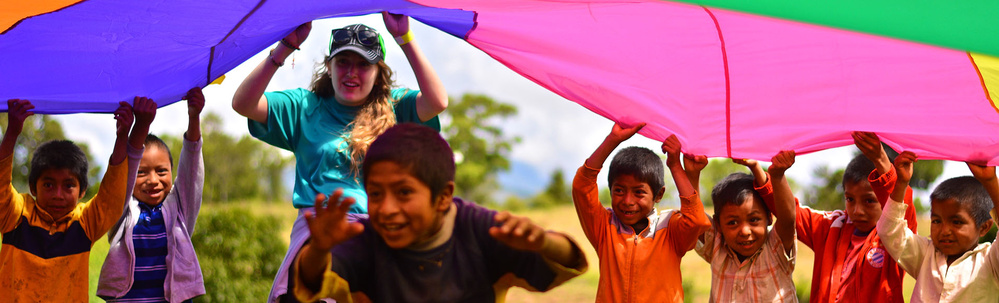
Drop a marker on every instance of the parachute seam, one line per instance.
(728, 88)
(211, 54)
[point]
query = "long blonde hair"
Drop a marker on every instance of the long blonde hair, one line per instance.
(374, 117)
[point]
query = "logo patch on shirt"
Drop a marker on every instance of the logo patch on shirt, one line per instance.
(876, 257)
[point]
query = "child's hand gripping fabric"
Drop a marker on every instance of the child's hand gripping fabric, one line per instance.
(903, 167)
(17, 111)
(870, 145)
(195, 104)
(987, 176)
(618, 134)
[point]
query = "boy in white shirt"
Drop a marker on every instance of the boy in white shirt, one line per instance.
(950, 265)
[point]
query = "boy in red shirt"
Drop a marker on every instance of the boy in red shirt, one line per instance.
(851, 263)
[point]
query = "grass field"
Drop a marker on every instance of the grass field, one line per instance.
(696, 272)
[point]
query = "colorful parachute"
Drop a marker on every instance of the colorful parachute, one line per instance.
(728, 83)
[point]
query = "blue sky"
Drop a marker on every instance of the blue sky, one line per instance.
(556, 133)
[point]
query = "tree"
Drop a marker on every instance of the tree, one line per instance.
(239, 253)
(556, 193)
(237, 169)
(479, 145)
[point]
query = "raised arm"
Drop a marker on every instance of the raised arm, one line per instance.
(190, 181)
(249, 99)
(759, 175)
(671, 147)
(195, 103)
(432, 99)
(870, 145)
(783, 199)
(17, 111)
(907, 247)
(329, 227)
(617, 135)
(687, 226)
(124, 116)
(692, 166)
(987, 176)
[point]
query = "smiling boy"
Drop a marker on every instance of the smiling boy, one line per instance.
(749, 261)
(420, 243)
(950, 266)
(47, 236)
(639, 248)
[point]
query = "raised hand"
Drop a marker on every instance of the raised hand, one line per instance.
(870, 145)
(124, 117)
(297, 36)
(781, 162)
(17, 111)
(195, 102)
(984, 174)
(518, 232)
(694, 163)
(396, 24)
(903, 168)
(671, 147)
(620, 132)
(144, 110)
(746, 162)
(328, 224)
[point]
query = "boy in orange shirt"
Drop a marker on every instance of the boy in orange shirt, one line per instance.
(639, 248)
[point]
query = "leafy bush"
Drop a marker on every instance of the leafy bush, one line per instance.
(239, 254)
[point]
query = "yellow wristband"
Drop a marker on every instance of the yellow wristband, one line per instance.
(402, 40)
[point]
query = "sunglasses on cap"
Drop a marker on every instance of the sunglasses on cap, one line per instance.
(343, 36)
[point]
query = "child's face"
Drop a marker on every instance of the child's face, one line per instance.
(631, 199)
(862, 205)
(744, 227)
(952, 228)
(57, 192)
(400, 206)
(154, 179)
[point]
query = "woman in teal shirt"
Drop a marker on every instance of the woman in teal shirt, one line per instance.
(330, 126)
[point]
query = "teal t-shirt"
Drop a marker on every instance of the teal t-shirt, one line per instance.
(312, 129)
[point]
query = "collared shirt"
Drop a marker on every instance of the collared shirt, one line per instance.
(637, 266)
(762, 277)
(971, 278)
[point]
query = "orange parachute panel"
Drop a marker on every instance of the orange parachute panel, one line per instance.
(12, 12)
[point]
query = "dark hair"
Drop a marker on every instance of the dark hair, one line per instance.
(967, 191)
(641, 163)
(153, 140)
(419, 149)
(735, 189)
(858, 170)
(59, 154)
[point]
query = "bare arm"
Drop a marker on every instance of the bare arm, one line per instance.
(692, 166)
(987, 176)
(618, 134)
(785, 209)
(520, 233)
(249, 99)
(671, 147)
(432, 99)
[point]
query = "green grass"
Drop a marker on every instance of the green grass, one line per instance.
(97, 254)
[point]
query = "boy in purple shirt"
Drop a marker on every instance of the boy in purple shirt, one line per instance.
(420, 243)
